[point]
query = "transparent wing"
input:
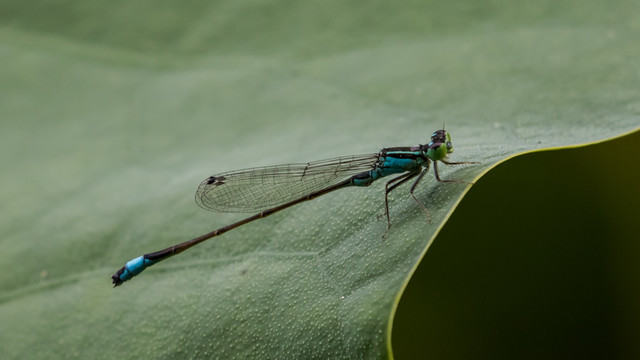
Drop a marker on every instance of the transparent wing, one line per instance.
(261, 188)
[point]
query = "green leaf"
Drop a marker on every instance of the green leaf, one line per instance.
(113, 114)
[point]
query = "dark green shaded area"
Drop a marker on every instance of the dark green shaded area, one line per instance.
(540, 261)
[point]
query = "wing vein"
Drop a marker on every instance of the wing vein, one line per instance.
(260, 188)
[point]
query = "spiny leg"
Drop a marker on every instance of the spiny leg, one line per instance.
(459, 163)
(435, 169)
(413, 187)
(401, 179)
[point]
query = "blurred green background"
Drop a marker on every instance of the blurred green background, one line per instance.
(539, 261)
(112, 112)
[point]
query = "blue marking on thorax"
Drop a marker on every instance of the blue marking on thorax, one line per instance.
(391, 164)
(135, 267)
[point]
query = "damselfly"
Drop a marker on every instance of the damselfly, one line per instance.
(269, 189)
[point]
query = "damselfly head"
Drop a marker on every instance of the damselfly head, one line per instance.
(440, 145)
(442, 137)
